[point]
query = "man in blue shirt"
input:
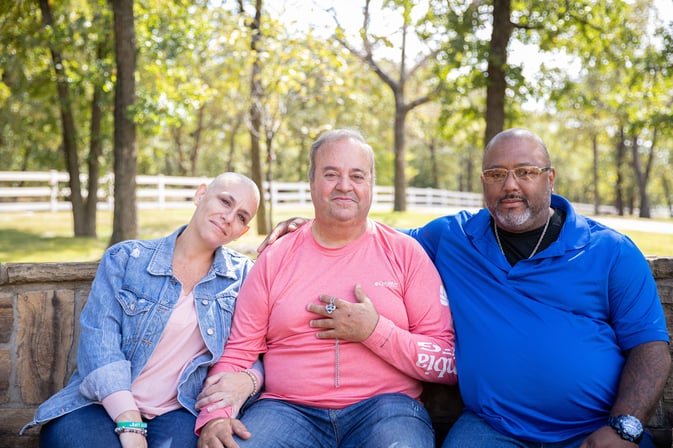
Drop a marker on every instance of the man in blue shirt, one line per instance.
(560, 334)
(558, 322)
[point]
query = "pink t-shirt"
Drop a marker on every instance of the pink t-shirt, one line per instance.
(412, 342)
(155, 390)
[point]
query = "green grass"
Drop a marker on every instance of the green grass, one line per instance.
(652, 244)
(47, 237)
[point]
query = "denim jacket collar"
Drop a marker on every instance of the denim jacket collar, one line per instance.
(162, 260)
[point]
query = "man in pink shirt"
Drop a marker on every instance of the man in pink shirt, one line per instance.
(350, 316)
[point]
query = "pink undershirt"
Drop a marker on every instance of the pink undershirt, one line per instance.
(154, 392)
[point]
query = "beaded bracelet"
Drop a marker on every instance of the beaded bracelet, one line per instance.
(253, 378)
(141, 431)
(134, 427)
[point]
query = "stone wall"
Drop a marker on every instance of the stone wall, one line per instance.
(39, 314)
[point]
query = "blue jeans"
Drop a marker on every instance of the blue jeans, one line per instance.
(383, 421)
(471, 431)
(91, 426)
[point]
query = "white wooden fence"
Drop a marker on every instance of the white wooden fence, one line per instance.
(49, 191)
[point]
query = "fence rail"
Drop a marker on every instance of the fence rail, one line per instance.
(49, 191)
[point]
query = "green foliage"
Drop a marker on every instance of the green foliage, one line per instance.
(29, 117)
(606, 65)
(623, 83)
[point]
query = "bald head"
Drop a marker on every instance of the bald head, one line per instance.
(229, 178)
(516, 134)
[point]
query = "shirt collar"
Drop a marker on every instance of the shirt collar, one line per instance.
(575, 233)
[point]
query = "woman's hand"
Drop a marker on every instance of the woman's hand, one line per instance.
(225, 389)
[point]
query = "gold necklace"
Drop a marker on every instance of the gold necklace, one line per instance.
(539, 241)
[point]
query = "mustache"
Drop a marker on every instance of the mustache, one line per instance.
(518, 197)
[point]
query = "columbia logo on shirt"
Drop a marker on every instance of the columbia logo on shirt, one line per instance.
(388, 284)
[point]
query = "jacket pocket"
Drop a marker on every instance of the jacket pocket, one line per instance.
(132, 305)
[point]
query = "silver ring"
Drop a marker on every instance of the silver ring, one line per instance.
(330, 307)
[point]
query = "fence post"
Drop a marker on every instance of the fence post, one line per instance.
(161, 191)
(53, 190)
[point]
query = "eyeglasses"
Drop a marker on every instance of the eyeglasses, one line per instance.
(524, 173)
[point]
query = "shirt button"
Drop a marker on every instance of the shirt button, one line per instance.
(210, 331)
(204, 302)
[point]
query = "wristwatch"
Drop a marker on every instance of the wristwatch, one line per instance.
(627, 426)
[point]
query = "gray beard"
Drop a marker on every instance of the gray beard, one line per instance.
(514, 220)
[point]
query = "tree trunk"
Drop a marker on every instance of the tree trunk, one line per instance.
(400, 197)
(69, 144)
(125, 219)
(474, 159)
(196, 147)
(95, 152)
(631, 199)
(256, 96)
(642, 176)
(667, 193)
(232, 141)
(180, 162)
(619, 184)
(269, 172)
(496, 84)
(597, 198)
(434, 169)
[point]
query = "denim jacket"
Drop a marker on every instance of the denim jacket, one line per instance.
(131, 299)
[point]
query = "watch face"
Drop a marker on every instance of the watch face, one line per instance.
(631, 426)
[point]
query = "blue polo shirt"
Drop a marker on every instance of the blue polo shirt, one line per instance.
(540, 345)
